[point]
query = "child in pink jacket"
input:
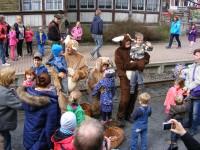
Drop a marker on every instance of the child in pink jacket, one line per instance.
(29, 39)
(174, 91)
(12, 43)
(77, 32)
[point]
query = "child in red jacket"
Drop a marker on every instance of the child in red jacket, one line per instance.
(29, 39)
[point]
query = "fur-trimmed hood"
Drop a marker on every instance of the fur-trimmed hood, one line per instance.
(32, 99)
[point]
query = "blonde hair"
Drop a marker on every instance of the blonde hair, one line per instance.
(76, 94)
(179, 99)
(138, 35)
(7, 76)
(144, 98)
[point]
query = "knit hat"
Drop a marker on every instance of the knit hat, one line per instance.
(56, 49)
(68, 123)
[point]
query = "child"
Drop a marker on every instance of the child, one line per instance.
(29, 78)
(77, 32)
(74, 106)
(63, 137)
(178, 112)
(177, 89)
(13, 43)
(106, 88)
(59, 64)
(192, 34)
(29, 38)
(137, 52)
(140, 124)
(41, 40)
(38, 67)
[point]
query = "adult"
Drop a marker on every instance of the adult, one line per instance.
(96, 30)
(8, 107)
(42, 113)
(92, 140)
(123, 63)
(54, 30)
(175, 31)
(20, 34)
(3, 36)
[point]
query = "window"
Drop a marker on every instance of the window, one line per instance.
(121, 4)
(105, 4)
(29, 5)
(54, 4)
(153, 5)
(138, 4)
(87, 4)
(71, 4)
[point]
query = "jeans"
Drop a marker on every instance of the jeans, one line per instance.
(6, 140)
(41, 49)
(134, 139)
(172, 38)
(2, 52)
(98, 39)
(136, 78)
(196, 115)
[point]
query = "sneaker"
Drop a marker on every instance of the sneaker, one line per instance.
(6, 64)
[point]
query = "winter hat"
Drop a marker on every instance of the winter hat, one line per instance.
(68, 123)
(56, 49)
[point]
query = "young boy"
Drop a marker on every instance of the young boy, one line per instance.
(59, 64)
(38, 67)
(140, 125)
(41, 40)
(137, 52)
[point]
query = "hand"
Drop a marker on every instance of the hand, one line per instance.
(177, 127)
(107, 146)
(61, 74)
(140, 64)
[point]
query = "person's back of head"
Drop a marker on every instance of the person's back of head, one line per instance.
(43, 80)
(89, 136)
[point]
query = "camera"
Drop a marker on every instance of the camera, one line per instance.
(167, 126)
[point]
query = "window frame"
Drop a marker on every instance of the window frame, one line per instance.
(87, 5)
(121, 5)
(62, 1)
(105, 5)
(144, 5)
(31, 5)
(72, 8)
(157, 8)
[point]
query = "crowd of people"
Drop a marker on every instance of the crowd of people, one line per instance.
(54, 118)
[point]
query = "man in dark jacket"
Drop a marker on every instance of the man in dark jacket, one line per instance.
(53, 29)
(96, 30)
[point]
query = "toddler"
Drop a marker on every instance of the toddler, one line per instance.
(75, 107)
(41, 40)
(13, 43)
(192, 34)
(29, 78)
(106, 88)
(140, 124)
(137, 52)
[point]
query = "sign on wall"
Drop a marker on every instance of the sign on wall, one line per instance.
(9, 5)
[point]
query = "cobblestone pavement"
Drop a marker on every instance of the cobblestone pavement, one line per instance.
(159, 55)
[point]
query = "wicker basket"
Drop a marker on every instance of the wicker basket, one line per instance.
(116, 134)
(87, 108)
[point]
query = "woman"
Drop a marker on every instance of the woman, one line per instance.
(20, 34)
(42, 114)
(9, 102)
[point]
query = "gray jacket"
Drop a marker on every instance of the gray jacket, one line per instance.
(9, 103)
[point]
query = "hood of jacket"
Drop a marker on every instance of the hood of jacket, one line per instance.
(60, 137)
(32, 97)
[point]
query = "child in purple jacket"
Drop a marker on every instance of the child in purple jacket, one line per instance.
(192, 34)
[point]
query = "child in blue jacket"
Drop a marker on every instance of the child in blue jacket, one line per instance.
(41, 40)
(140, 122)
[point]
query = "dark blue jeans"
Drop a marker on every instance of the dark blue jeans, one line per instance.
(2, 52)
(7, 140)
(134, 139)
(196, 115)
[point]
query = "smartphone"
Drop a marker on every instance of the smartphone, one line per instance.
(167, 126)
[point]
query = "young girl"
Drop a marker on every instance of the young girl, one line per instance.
(177, 89)
(29, 38)
(106, 88)
(29, 78)
(77, 31)
(13, 43)
(192, 34)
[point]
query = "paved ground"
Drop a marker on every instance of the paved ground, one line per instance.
(159, 55)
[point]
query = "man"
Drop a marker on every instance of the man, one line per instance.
(54, 30)
(90, 136)
(97, 33)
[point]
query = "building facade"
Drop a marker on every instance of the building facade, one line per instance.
(41, 12)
